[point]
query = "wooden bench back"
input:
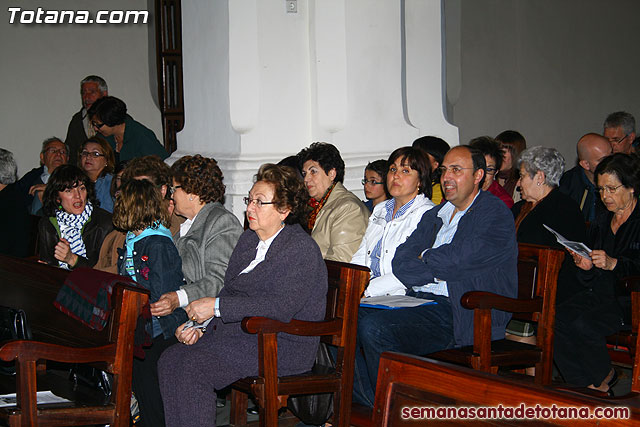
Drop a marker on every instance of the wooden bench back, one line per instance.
(406, 381)
(352, 280)
(538, 268)
(33, 287)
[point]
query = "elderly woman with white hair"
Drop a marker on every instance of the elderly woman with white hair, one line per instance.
(543, 204)
(14, 216)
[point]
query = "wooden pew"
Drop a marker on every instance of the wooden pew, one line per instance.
(406, 382)
(33, 287)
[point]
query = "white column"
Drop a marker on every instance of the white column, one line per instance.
(261, 83)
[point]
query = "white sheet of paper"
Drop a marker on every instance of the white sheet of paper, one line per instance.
(42, 397)
(577, 247)
(397, 301)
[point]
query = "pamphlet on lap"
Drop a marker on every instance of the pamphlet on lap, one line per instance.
(577, 247)
(393, 302)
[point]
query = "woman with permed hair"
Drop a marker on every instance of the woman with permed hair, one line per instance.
(73, 227)
(151, 259)
(338, 218)
(207, 237)
(276, 271)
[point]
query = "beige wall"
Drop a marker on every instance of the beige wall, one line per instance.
(43, 64)
(552, 69)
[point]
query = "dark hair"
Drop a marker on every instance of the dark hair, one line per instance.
(514, 142)
(292, 162)
(381, 167)
(489, 147)
(288, 192)
(109, 110)
(625, 167)
(114, 182)
(106, 150)
(435, 146)
(151, 166)
(327, 156)
(200, 176)
(139, 206)
(63, 178)
(418, 161)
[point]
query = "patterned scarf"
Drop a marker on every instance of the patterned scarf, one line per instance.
(71, 229)
(317, 205)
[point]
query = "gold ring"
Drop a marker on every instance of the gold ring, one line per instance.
(193, 318)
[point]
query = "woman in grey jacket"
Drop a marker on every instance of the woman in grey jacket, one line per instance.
(207, 237)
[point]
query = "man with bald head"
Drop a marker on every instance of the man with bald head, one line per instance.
(579, 182)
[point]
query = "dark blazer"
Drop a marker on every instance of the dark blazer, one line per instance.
(93, 233)
(561, 213)
(574, 183)
(291, 283)
(481, 257)
(76, 135)
(26, 182)
(163, 273)
(16, 223)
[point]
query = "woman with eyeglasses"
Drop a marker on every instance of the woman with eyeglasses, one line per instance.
(375, 186)
(338, 218)
(512, 143)
(97, 161)
(493, 156)
(275, 271)
(74, 227)
(408, 179)
(127, 137)
(205, 239)
(601, 308)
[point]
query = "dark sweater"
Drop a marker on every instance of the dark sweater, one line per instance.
(561, 213)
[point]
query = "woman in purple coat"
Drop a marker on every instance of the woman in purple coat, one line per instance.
(276, 271)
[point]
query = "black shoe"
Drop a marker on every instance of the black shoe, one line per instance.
(253, 411)
(614, 379)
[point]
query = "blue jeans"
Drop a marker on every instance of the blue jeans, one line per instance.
(417, 330)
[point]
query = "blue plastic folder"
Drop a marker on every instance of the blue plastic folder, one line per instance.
(394, 302)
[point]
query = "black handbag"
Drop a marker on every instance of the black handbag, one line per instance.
(315, 409)
(13, 325)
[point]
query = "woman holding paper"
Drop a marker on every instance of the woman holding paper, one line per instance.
(392, 221)
(543, 204)
(597, 312)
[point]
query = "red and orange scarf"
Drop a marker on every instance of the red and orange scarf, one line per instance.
(317, 205)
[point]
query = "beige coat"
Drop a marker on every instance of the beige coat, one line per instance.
(340, 225)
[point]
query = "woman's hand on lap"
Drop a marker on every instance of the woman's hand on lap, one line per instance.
(165, 304)
(201, 309)
(188, 336)
(62, 252)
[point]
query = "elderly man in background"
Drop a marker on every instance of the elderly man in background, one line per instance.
(620, 130)
(92, 88)
(53, 154)
(578, 182)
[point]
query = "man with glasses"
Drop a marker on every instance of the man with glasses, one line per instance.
(492, 152)
(92, 88)
(465, 244)
(579, 182)
(620, 130)
(53, 154)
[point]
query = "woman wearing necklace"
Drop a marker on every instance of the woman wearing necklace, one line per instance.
(127, 137)
(583, 322)
(338, 219)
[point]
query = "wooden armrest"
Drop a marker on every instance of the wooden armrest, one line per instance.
(23, 350)
(254, 325)
(488, 300)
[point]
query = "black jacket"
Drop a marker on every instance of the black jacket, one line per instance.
(574, 183)
(93, 233)
(561, 213)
